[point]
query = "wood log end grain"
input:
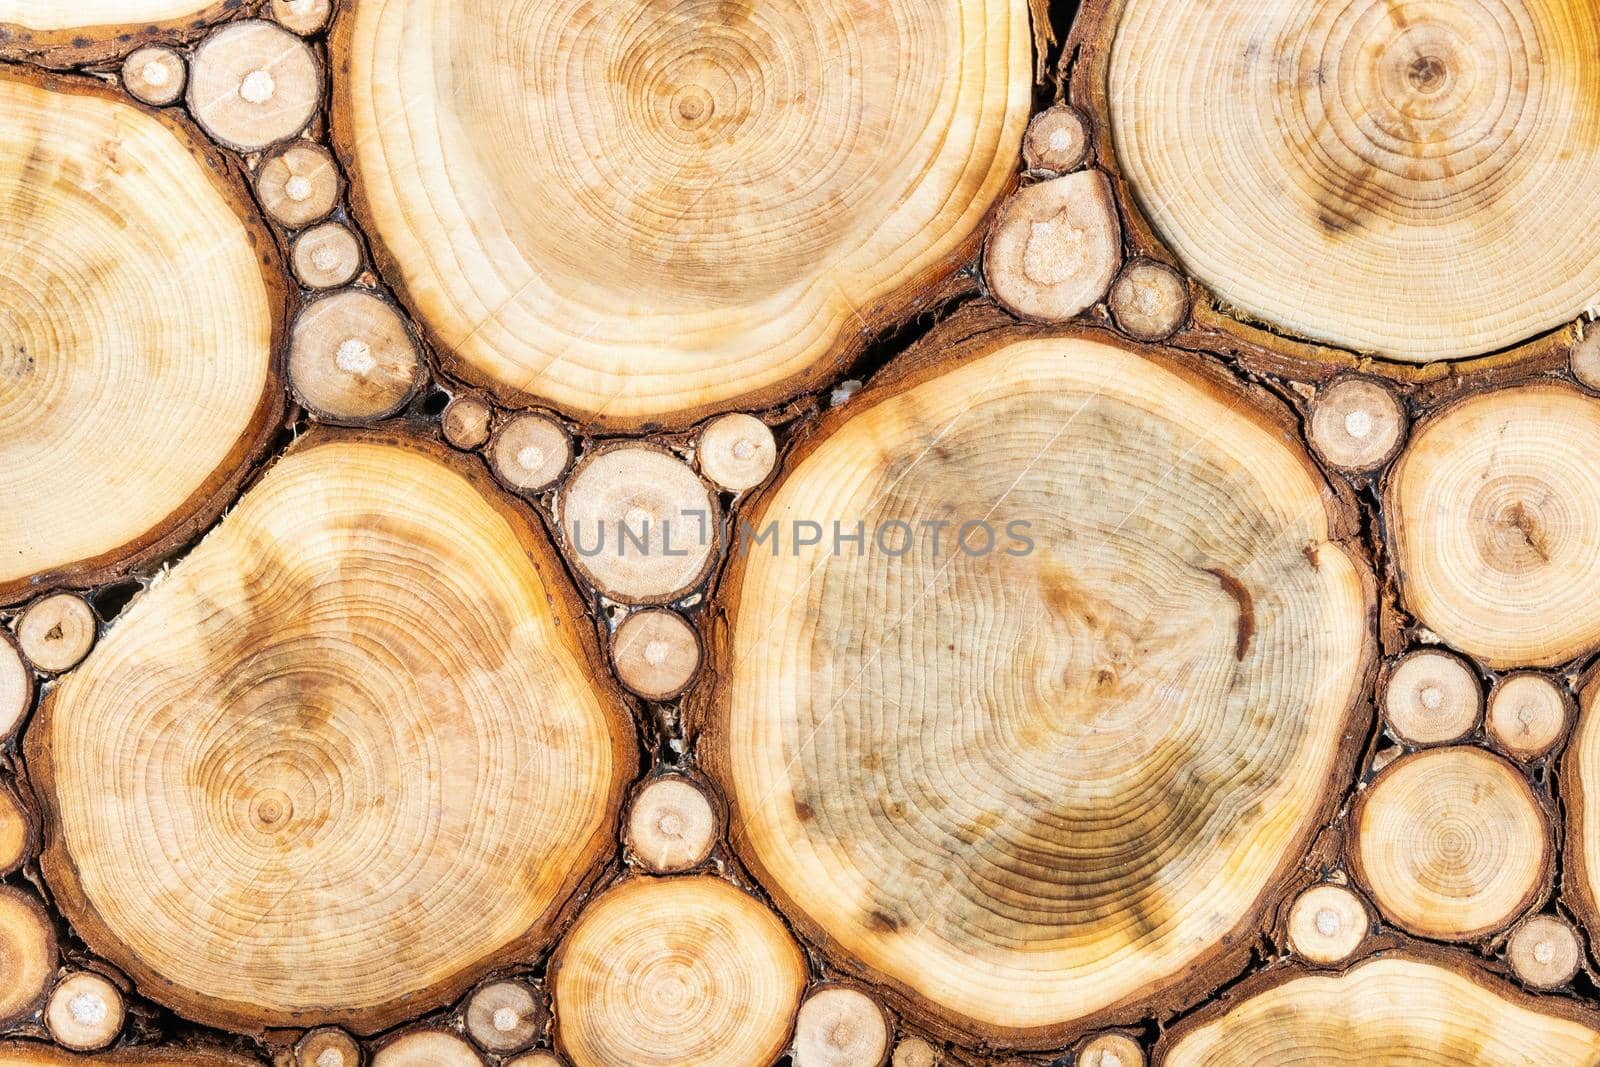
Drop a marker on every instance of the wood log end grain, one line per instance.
(1111, 1050)
(55, 632)
(1055, 247)
(736, 452)
(504, 1016)
(914, 1052)
(427, 1048)
(1356, 424)
(1431, 697)
(327, 1046)
(643, 949)
(155, 75)
(1544, 951)
(253, 84)
(672, 825)
(465, 421)
(1057, 140)
(536, 1059)
(27, 953)
(1327, 924)
(840, 1026)
(298, 184)
(1528, 714)
(326, 256)
(16, 831)
(305, 17)
(1451, 843)
(85, 1012)
(352, 358)
(16, 686)
(656, 653)
(1149, 301)
(639, 524)
(529, 453)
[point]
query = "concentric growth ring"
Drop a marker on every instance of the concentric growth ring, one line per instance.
(645, 211)
(1394, 176)
(1036, 780)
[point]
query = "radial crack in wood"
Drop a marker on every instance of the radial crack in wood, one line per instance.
(369, 706)
(253, 84)
(1452, 843)
(142, 304)
(674, 971)
(1055, 247)
(1388, 176)
(1493, 518)
(730, 202)
(1439, 1011)
(70, 33)
(1047, 779)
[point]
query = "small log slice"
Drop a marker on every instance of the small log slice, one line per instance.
(16, 831)
(326, 256)
(661, 972)
(1327, 923)
(530, 452)
(1111, 1050)
(655, 653)
(1149, 300)
(1356, 424)
(1055, 247)
(1528, 713)
(304, 17)
(253, 84)
(85, 1012)
(504, 1017)
(839, 1026)
(298, 184)
(352, 359)
(1057, 140)
(427, 1048)
(16, 686)
(1544, 951)
(327, 1046)
(27, 954)
(672, 825)
(154, 75)
(465, 422)
(1431, 697)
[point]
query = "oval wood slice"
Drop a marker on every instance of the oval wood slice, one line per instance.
(366, 707)
(143, 301)
(1389, 177)
(729, 201)
(1049, 784)
(1391, 1010)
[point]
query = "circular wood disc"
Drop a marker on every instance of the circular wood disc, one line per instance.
(1527, 714)
(1111, 1050)
(536, 1059)
(729, 199)
(304, 17)
(1390, 1009)
(427, 1048)
(1493, 515)
(1544, 951)
(155, 75)
(27, 953)
(253, 84)
(298, 184)
(327, 1046)
(1327, 924)
(85, 1011)
(364, 705)
(640, 525)
(840, 1027)
(672, 825)
(465, 422)
(352, 358)
(1431, 697)
(1149, 300)
(914, 1052)
(504, 1017)
(1028, 788)
(674, 971)
(655, 653)
(737, 452)
(1055, 247)
(326, 256)
(142, 304)
(1451, 842)
(56, 632)
(530, 452)
(1356, 423)
(1585, 357)
(68, 33)
(1389, 176)
(16, 686)
(1057, 140)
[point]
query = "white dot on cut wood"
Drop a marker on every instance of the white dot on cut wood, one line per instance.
(257, 86)
(355, 357)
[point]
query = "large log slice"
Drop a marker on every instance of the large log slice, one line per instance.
(141, 301)
(61, 33)
(34, 1054)
(353, 751)
(1033, 790)
(1429, 1009)
(1580, 797)
(1389, 176)
(642, 212)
